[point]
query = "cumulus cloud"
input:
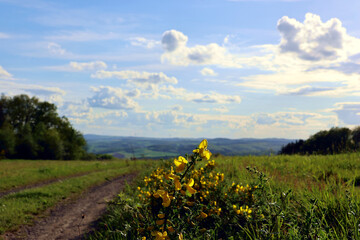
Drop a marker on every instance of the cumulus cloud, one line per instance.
(113, 98)
(208, 72)
(143, 42)
(4, 74)
(85, 66)
(55, 49)
(314, 40)
(145, 79)
(173, 40)
(178, 53)
(348, 112)
(197, 97)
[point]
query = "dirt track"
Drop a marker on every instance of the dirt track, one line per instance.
(73, 219)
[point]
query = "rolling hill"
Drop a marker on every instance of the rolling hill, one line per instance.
(141, 147)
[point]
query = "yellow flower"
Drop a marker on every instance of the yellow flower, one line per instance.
(203, 215)
(202, 150)
(177, 183)
(181, 237)
(159, 235)
(171, 229)
(160, 222)
(180, 163)
(189, 186)
(165, 197)
(161, 215)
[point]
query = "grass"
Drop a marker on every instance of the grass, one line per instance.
(20, 208)
(19, 173)
(305, 197)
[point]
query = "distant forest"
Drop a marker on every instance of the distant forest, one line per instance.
(333, 141)
(31, 129)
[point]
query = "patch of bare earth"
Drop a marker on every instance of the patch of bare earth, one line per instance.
(72, 220)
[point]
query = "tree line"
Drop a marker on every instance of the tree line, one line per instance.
(32, 129)
(333, 141)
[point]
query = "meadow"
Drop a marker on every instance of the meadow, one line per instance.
(257, 197)
(35, 189)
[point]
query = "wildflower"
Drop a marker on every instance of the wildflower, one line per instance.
(202, 150)
(189, 186)
(180, 163)
(171, 229)
(165, 197)
(177, 183)
(159, 235)
(160, 222)
(203, 215)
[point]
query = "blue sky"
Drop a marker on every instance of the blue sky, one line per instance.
(214, 68)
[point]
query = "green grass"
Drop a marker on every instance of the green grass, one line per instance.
(305, 197)
(18, 173)
(20, 208)
(299, 173)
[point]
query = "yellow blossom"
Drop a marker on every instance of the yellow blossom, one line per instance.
(177, 183)
(165, 197)
(159, 235)
(180, 163)
(202, 150)
(189, 186)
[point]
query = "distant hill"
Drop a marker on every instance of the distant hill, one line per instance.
(141, 147)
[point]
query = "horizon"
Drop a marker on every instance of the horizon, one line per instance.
(232, 69)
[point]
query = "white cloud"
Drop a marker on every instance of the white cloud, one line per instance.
(208, 72)
(55, 49)
(348, 112)
(143, 42)
(4, 74)
(315, 40)
(306, 90)
(173, 40)
(84, 66)
(4, 35)
(337, 83)
(177, 108)
(177, 53)
(221, 109)
(83, 36)
(18, 88)
(114, 98)
(197, 97)
(145, 79)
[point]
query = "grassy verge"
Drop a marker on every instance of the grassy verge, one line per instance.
(18, 173)
(20, 208)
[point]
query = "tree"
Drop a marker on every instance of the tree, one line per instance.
(32, 129)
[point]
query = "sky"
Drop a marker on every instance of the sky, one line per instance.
(191, 68)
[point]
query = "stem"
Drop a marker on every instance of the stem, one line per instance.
(187, 169)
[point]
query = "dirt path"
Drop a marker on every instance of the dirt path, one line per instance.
(74, 219)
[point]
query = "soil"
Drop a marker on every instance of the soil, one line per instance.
(71, 220)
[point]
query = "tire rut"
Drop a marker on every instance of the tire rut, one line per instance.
(71, 220)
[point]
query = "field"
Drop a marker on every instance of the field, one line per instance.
(257, 197)
(29, 187)
(297, 197)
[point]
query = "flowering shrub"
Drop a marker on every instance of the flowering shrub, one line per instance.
(184, 200)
